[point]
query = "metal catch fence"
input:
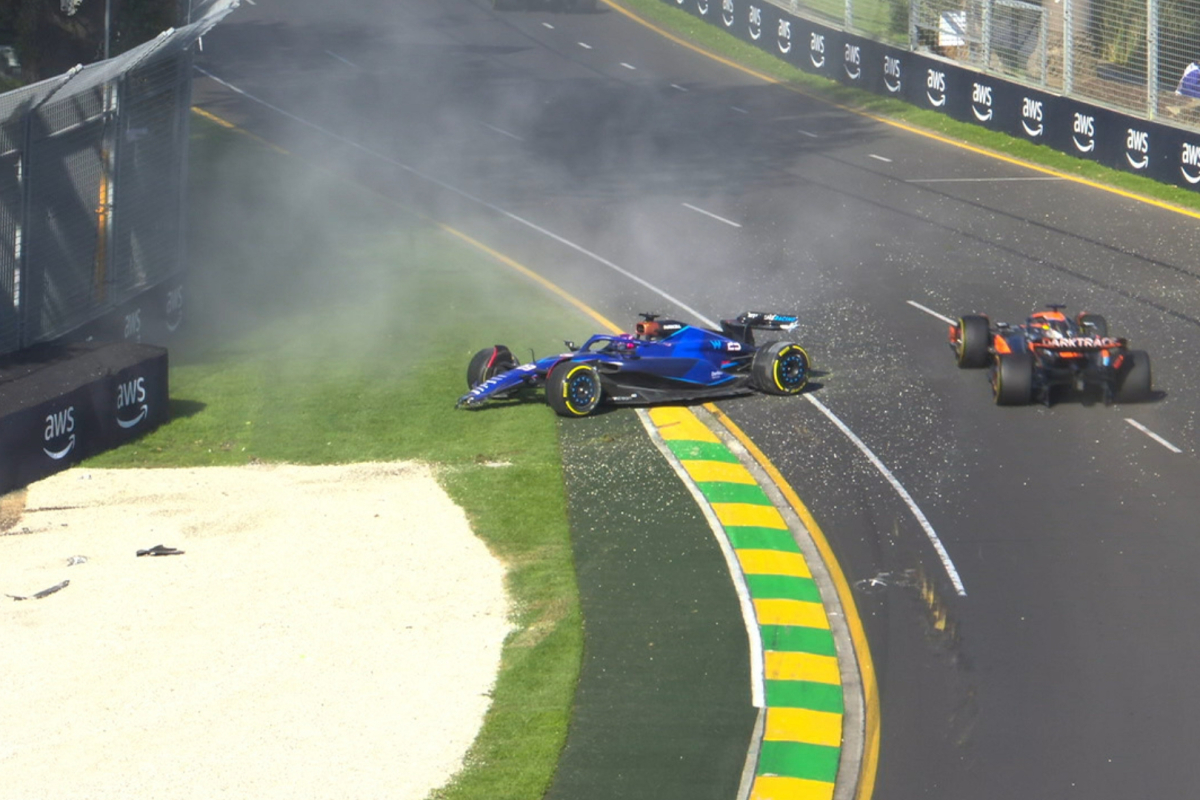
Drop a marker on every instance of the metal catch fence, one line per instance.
(1141, 57)
(92, 185)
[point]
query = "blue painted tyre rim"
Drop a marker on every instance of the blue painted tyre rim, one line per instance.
(583, 388)
(791, 370)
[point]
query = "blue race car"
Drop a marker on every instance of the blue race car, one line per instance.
(663, 361)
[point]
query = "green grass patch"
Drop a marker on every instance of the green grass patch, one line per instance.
(326, 325)
(717, 41)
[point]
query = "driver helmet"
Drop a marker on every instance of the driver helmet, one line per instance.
(649, 329)
(1048, 327)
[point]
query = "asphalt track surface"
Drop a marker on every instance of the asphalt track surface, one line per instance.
(602, 151)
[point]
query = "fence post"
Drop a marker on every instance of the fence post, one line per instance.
(1151, 59)
(21, 278)
(1068, 48)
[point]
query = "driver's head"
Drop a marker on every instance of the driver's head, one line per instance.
(649, 329)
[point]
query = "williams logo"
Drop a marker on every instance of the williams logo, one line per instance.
(702, 7)
(1137, 148)
(891, 74)
(755, 20)
(1031, 116)
(935, 88)
(816, 49)
(129, 394)
(727, 13)
(852, 61)
(1084, 133)
(1189, 162)
(981, 102)
(60, 433)
(784, 35)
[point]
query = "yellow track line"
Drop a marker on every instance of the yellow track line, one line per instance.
(899, 125)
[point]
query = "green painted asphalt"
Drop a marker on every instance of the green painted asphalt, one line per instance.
(663, 707)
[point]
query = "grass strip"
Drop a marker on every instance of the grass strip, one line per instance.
(326, 326)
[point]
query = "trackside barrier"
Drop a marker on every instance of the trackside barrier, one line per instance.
(1165, 153)
(76, 401)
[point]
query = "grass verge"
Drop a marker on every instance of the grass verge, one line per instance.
(717, 41)
(329, 327)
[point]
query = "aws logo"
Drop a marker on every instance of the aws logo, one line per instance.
(1031, 116)
(131, 393)
(981, 102)
(891, 74)
(1084, 128)
(783, 36)
(728, 13)
(1189, 162)
(816, 49)
(755, 23)
(59, 433)
(174, 315)
(1137, 148)
(133, 325)
(852, 61)
(935, 87)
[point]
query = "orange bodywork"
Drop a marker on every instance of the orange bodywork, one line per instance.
(1000, 345)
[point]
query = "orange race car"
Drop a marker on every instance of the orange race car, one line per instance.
(1051, 350)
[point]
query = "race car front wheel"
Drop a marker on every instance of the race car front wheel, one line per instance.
(488, 363)
(780, 368)
(1012, 382)
(573, 389)
(971, 346)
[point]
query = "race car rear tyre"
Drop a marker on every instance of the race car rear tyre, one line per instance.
(1092, 325)
(1134, 382)
(971, 349)
(780, 368)
(488, 363)
(1012, 383)
(573, 389)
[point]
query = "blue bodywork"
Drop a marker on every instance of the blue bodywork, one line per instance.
(665, 361)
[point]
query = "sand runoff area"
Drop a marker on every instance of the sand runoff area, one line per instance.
(328, 632)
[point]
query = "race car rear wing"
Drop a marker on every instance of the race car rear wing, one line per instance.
(1079, 344)
(743, 326)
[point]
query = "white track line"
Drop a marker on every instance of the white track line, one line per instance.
(677, 87)
(931, 312)
(900, 490)
(628, 66)
(699, 210)
(1153, 435)
(809, 134)
(585, 45)
(547, 25)
(332, 54)
(740, 110)
(884, 159)
(502, 132)
(621, 271)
